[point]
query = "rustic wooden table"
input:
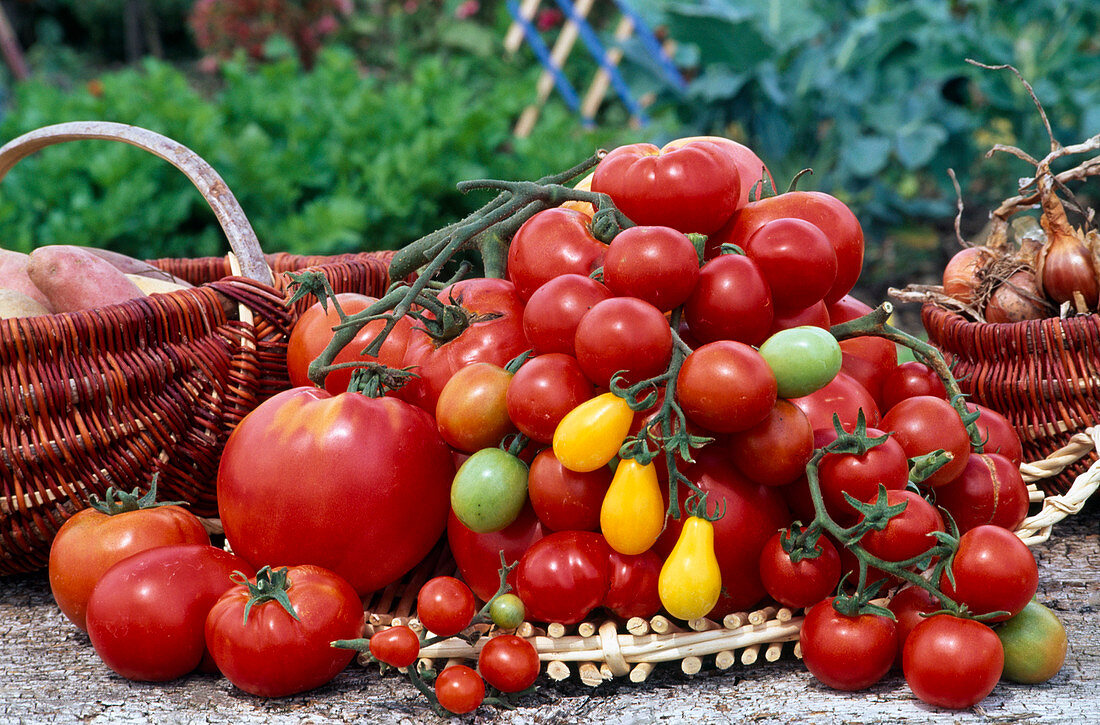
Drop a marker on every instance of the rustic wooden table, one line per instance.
(49, 673)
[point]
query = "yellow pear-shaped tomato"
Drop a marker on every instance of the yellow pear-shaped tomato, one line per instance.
(633, 513)
(690, 581)
(589, 436)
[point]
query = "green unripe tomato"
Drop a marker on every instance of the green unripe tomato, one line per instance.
(1035, 645)
(803, 359)
(507, 611)
(489, 490)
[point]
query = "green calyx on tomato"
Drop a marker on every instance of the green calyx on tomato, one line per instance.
(119, 502)
(269, 585)
(375, 379)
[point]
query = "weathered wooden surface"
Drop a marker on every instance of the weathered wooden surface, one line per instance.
(49, 673)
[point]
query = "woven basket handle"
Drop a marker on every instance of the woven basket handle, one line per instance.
(238, 230)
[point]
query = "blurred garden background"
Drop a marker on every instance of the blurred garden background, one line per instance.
(344, 125)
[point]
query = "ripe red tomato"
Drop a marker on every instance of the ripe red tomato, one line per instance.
(632, 591)
(816, 315)
(752, 513)
(459, 689)
(445, 606)
(656, 264)
(844, 396)
(869, 360)
(369, 482)
(990, 490)
(494, 335)
(847, 308)
(798, 584)
(146, 616)
(847, 653)
(543, 390)
(731, 301)
(553, 242)
(623, 334)
(564, 576)
(749, 166)
(726, 386)
(478, 555)
(693, 188)
(994, 571)
(555, 309)
(265, 650)
(908, 380)
(796, 259)
(313, 331)
(909, 605)
(952, 662)
(858, 475)
(395, 646)
(909, 533)
(775, 451)
(566, 500)
(826, 212)
(472, 410)
(90, 542)
(509, 663)
(924, 424)
(999, 435)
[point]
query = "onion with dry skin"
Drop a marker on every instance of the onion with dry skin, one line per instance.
(1016, 299)
(1065, 271)
(960, 277)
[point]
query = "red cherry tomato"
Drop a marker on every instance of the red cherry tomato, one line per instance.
(908, 380)
(693, 188)
(656, 264)
(396, 646)
(564, 576)
(847, 653)
(803, 583)
(472, 412)
(555, 309)
(816, 315)
(909, 533)
(509, 663)
(909, 605)
(924, 424)
(952, 662)
(775, 451)
(994, 571)
(796, 259)
(459, 689)
(553, 242)
(990, 490)
(478, 555)
(633, 588)
(751, 169)
(726, 386)
(869, 360)
(847, 308)
(998, 434)
(543, 390)
(858, 475)
(731, 301)
(623, 334)
(445, 606)
(566, 500)
(843, 396)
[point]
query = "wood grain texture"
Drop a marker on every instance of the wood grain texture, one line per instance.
(49, 673)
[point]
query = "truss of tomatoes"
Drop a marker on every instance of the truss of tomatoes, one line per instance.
(523, 460)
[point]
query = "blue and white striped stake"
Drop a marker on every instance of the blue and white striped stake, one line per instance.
(543, 54)
(653, 46)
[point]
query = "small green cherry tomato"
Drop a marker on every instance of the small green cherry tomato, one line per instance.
(507, 611)
(1035, 645)
(489, 490)
(803, 359)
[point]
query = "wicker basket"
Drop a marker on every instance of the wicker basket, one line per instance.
(108, 396)
(600, 649)
(1043, 375)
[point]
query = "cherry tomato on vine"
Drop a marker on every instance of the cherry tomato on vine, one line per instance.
(395, 646)
(692, 188)
(990, 490)
(566, 500)
(459, 689)
(1034, 644)
(445, 605)
(563, 576)
(998, 434)
(909, 606)
(924, 424)
(507, 611)
(843, 396)
(553, 242)
(551, 316)
(869, 360)
(690, 582)
(802, 583)
(994, 571)
(589, 436)
(623, 335)
(509, 663)
(908, 380)
(472, 412)
(657, 264)
(543, 390)
(847, 653)
(803, 360)
(952, 662)
(731, 301)
(272, 650)
(797, 260)
(775, 451)
(858, 475)
(632, 514)
(726, 386)
(909, 533)
(632, 591)
(489, 490)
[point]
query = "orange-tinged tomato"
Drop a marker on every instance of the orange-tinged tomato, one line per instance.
(690, 581)
(633, 512)
(472, 412)
(589, 436)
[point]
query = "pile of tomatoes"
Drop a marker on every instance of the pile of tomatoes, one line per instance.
(629, 424)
